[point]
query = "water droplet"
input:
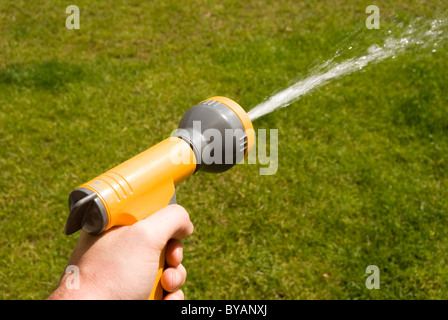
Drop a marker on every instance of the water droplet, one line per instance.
(373, 49)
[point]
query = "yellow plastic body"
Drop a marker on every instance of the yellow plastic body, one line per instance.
(144, 184)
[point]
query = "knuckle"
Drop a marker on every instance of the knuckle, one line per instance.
(181, 213)
(142, 231)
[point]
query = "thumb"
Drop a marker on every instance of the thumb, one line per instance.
(171, 222)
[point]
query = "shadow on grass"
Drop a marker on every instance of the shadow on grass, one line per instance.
(48, 75)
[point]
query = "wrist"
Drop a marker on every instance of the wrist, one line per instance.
(72, 288)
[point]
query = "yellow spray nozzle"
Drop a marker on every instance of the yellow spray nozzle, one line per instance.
(212, 136)
(130, 191)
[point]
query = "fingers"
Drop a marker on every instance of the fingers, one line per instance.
(176, 295)
(175, 275)
(171, 222)
(174, 253)
(165, 228)
(173, 278)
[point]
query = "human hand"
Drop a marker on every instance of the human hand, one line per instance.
(122, 262)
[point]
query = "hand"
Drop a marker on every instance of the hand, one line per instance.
(122, 262)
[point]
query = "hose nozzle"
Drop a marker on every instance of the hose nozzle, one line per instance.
(212, 136)
(220, 133)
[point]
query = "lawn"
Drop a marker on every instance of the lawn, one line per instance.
(362, 171)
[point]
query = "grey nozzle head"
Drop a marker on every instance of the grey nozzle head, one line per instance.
(87, 212)
(216, 135)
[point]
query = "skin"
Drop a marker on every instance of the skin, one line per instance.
(122, 263)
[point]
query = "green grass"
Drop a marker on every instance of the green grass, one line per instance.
(363, 170)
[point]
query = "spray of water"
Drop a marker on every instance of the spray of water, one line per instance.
(419, 34)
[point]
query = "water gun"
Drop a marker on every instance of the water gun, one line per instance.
(146, 183)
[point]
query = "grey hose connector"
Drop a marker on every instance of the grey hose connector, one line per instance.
(87, 212)
(216, 135)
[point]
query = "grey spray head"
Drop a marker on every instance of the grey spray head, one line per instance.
(216, 135)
